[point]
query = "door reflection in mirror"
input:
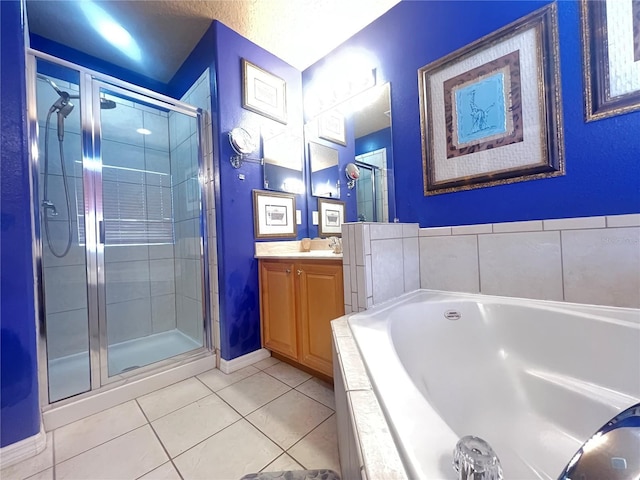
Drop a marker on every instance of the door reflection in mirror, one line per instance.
(323, 162)
(368, 145)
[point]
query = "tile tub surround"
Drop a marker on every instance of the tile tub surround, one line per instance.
(193, 429)
(594, 260)
(365, 441)
(379, 262)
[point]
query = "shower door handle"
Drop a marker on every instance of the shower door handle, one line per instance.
(101, 232)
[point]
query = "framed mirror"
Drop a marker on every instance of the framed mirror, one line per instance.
(283, 161)
(325, 174)
(355, 131)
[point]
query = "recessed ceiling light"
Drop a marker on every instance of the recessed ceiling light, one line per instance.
(143, 131)
(111, 30)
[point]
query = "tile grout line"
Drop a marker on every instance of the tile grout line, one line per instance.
(161, 444)
(309, 396)
(171, 385)
(305, 436)
(562, 267)
(242, 417)
(101, 444)
(53, 453)
(265, 433)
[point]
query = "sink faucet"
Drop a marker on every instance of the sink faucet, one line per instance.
(336, 244)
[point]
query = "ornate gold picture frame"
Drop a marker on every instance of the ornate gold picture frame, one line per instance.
(611, 57)
(491, 112)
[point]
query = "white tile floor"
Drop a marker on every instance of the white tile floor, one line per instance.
(269, 416)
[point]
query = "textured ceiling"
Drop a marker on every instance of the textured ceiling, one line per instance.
(298, 31)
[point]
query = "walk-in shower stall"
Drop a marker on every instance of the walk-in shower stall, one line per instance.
(120, 229)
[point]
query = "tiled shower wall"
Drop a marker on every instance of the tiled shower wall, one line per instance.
(187, 223)
(380, 262)
(593, 260)
(140, 284)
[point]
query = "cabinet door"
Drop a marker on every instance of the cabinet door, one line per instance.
(321, 300)
(278, 307)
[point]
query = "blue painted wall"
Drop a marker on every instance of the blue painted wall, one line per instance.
(222, 50)
(19, 404)
(239, 296)
(602, 167)
(375, 141)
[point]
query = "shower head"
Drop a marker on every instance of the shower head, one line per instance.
(60, 92)
(106, 104)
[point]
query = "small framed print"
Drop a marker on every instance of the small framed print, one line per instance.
(332, 127)
(274, 215)
(263, 92)
(331, 217)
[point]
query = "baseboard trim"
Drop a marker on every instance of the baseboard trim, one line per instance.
(24, 449)
(230, 366)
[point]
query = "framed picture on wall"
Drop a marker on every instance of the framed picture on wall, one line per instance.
(274, 215)
(263, 92)
(332, 127)
(491, 112)
(331, 217)
(611, 57)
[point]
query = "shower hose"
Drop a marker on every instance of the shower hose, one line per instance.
(46, 191)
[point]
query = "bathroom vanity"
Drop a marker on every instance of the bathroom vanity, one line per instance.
(300, 293)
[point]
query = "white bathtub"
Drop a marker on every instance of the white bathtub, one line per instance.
(533, 378)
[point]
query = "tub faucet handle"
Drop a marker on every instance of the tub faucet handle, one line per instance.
(474, 459)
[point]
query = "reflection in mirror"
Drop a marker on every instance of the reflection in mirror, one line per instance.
(283, 160)
(324, 171)
(367, 143)
(372, 130)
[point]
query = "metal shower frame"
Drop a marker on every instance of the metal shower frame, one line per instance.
(90, 84)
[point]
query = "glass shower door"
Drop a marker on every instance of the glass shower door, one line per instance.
(61, 207)
(148, 205)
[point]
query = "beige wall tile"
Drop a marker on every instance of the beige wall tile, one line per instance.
(449, 263)
(602, 266)
(524, 265)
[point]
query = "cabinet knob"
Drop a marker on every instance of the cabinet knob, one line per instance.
(299, 272)
(288, 271)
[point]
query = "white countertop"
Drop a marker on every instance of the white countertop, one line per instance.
(291, 250)
(312, 255)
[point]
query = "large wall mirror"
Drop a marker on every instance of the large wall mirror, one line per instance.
(283, 161)
(355, 131)
(375, 192)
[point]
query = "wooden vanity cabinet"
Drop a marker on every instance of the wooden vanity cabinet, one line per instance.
(298, 300)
